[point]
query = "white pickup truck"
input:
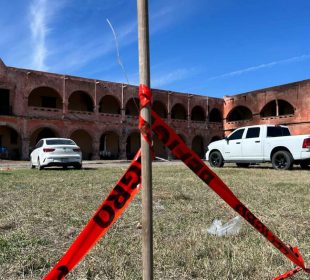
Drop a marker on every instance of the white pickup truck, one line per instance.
(261, 143)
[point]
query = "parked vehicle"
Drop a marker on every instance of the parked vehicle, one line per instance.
(4, 153)
(56, 152)
(261, 143)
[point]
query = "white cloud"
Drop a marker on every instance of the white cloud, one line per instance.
(39, 30)
(261, 66)
(41, 13)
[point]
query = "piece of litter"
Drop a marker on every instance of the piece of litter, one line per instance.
(232, 227)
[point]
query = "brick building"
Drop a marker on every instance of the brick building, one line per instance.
(102, 117)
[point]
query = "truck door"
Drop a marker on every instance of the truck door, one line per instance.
(233, 145)
(252, 146)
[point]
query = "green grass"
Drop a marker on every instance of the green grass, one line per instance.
(41, 213)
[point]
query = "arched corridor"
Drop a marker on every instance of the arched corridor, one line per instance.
(133, 144)
(109, 145)
(215, 116)
(10, 143)
(45, 97)
(132, 107)
(178, 112)
(160, 109)
(198, 146)
(239, 113)
(83, 139)
(80, 101)
(277, 108)
(198, 114)
(109, 105)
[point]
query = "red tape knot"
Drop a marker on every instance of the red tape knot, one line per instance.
(145, 96)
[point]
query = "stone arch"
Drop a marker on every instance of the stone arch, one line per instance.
(215, 115)
(133, 144)
(160, 108)
(109, 145)
(178, 112)
(277, 108)
(239, 113)
(45, 97)
(80, 101)
(109, 105)
(198, 146)
(10, 143)
(83, 139)
(132, 107)
(41, 132)
(198, 114)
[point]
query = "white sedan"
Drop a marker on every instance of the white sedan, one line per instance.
(56, 152)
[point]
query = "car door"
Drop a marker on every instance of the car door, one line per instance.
(233, 145)
(252, 146)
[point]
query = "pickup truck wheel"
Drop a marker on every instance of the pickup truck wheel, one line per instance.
(243, 165)
(305, 164)
(282, 160)
(216, 159)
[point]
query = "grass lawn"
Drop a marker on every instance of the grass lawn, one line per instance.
(41, 213)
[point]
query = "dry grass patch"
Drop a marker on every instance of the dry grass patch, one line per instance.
(41, 213)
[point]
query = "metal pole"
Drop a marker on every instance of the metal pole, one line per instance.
(147, 215)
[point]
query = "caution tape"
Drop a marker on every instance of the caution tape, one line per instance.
(288, 274)
(128, 186)
(108, 212)
(176, 145)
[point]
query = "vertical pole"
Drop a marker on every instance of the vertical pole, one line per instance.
(147, 215)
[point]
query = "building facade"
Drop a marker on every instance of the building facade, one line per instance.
(281, 105)
(102, 117)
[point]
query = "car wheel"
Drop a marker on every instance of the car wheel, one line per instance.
(216, 159)
(40, 167)
(282, 160)
(305, 164)
(243, 165)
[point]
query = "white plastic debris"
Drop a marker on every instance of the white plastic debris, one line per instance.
(232, 227)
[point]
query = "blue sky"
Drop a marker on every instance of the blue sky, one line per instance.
(207, 47)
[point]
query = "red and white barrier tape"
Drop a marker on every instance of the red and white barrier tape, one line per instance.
(129, 185)
(176, 145)
(108, 212)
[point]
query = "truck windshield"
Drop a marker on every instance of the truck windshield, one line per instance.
(277, 131)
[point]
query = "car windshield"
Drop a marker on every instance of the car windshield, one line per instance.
(59, 142)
